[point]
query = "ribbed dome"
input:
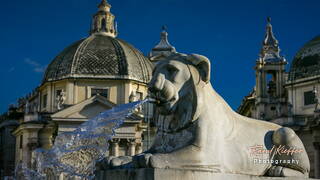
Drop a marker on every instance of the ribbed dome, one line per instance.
(306, 63)
(100, 56)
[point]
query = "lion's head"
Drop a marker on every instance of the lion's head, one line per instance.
(175, 85)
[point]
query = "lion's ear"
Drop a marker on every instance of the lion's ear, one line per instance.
(202, 64)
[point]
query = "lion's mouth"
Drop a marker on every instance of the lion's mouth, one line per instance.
(161, 101)
(164, 103)
(158, 102)
(165, 106)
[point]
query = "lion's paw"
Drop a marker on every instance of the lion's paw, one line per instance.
(159, 161)
(119, 161)
(141, 160)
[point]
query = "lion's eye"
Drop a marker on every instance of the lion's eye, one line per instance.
(172, 71)
(172, 68)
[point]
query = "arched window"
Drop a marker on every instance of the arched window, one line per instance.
(103, 24)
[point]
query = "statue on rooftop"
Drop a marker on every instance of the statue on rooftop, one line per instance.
(61, 98)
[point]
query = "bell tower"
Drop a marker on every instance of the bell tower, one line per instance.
(103, 21)
(270, 67)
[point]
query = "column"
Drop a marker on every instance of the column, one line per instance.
(278, 84)
(127, 91)
(131, 147)
(264, 84)
(258, 82)
(69, 92)
(317, 159)
(49, 98)
(61, 176)
(115, 147)
(32, 145)
(139, 148)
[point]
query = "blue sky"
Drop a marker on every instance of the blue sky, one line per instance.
(228, 32)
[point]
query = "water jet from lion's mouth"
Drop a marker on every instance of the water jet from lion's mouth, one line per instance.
(76, 153)
(154, 101)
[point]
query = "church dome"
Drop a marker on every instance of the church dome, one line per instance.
(306, 63)
(100, 56)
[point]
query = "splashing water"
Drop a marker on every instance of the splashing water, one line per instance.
(75, 153)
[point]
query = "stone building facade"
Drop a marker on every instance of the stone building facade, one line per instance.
(9, 121)
(7, 148)
(291, 98)
(88, 77)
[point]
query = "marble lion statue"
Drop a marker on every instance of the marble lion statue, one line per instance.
(198, 130)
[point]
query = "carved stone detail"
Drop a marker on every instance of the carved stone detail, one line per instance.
(201, 132)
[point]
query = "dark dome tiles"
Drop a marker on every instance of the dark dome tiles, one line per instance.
(122, 61)
(80, 51)
(98, 58)
(102, 57)
(306, 63)
(61, 66)
(138, 65)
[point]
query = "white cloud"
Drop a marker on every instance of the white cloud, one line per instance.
(37, 67)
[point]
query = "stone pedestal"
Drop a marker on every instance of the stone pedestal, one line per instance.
(174, 174)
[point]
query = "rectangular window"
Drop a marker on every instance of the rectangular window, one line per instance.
(101, 92)
(21, 141)
(44, 101)
(140, 95)
(309, 98)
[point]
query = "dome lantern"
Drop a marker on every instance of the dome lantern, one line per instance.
(164, 42)
(100, 56)
(163, 47)
(103, 21)
(104, 6)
